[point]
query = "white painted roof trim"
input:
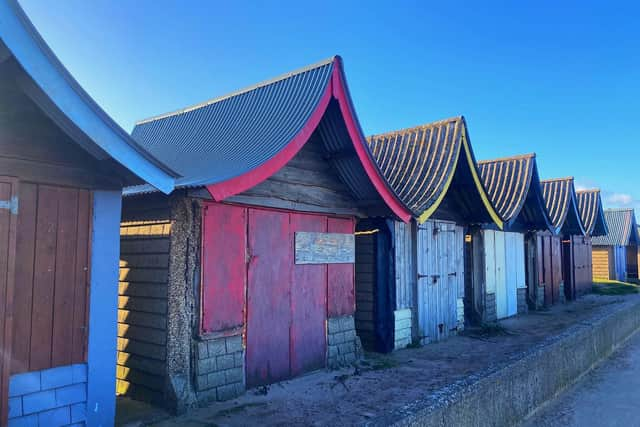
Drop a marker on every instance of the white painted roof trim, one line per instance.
(26, 45)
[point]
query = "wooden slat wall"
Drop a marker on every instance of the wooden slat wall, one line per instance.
(600, 262)
(52, 277)
(365, 290)
(142, 302)
(405, 265)
(306, 183)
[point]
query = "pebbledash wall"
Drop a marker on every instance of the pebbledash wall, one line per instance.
(81, 394)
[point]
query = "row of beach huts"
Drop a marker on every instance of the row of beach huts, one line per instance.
(260, 236)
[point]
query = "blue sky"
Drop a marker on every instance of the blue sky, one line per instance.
(561, 79)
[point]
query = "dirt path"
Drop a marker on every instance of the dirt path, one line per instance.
(386, 383)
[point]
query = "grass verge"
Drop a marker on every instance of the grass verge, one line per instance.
(614, 287)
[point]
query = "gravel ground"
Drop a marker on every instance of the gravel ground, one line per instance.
(392, 383)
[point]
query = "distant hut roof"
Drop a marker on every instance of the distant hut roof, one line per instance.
(232, 143)
(591, 212)
(562, 205)
(622, 227)
(513, 186)
(432, 169)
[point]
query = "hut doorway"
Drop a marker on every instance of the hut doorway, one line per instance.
(375, 285)
(632, 262)
(440, 265)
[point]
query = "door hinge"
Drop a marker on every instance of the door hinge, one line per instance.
(10, 205)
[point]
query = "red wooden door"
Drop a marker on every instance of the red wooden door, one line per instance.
(341, 276)
(308, 304)
(268, 297)
(8, 220)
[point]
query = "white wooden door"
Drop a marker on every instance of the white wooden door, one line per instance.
(502, 309)
(514, 271)
(439, 271)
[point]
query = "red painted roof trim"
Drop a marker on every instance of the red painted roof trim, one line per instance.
(337, 89)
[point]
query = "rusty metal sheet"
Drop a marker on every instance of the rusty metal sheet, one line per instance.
(324, 248)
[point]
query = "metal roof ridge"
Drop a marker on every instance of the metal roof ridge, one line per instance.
(503, 159)
(566, 178)
(618, 209)
(239, 91)
(589, 190)
(437, 122)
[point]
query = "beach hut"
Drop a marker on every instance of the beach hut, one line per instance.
(410, 287)
(553, 263)
(615, 254)
(63, 164)
(244, 276)
(578, 249)
(504, 261)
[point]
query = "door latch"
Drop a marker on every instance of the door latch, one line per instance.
(11, 205)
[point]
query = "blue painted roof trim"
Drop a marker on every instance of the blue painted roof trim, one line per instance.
(35, 57)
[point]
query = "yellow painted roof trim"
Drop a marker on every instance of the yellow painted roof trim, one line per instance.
(476, 179)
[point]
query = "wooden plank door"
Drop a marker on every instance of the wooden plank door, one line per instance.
(308, 304)
(438, 285)
(8, 222)
(268, 297)
(428, 278)
(512, 272)
(556, 260)
(502, 309)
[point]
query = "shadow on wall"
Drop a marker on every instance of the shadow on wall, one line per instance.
(142, 309)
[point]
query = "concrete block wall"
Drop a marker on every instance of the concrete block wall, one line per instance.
(490, 308)
(219, 370)
(522, 301)
(52, 397)
(460, 314)
(343, 345)
(402, 328)
(540, 297)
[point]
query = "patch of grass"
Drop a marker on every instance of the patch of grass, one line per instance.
(492, 330)
(614, 287)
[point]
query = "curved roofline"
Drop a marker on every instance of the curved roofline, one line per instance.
(237, 92)
(471, 162)
(599, 214)
(39, 62)
(574, 202)
(540, 197)
(337, 89)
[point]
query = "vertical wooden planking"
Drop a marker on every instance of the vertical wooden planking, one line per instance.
(556, 259)
(66, 242)
(423, 278)
(547, 269)
(501, 275)
(81, 282)
(224, 250)
(44, 279)
(270, 247)
(8, 225)
(23, 294)
(405, 269)
(308, 304)
(490, 260)
(341, 286)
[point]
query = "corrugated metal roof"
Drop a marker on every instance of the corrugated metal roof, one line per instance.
(228, 136)
(591, 212)
(622, 228)
(560, 198)
(420, 163)
(513, 186)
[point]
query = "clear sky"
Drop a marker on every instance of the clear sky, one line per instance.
(561, 79)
